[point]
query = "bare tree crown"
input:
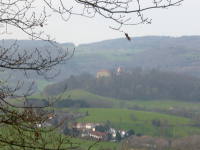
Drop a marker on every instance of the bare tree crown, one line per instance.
(31, 16)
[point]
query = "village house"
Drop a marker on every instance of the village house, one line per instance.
(98, 135)
(119, 70)
(107, 73)
(103, 73)
(47, 122)
(113, 132)
(88, 130)
(85, 126)
(122, 133)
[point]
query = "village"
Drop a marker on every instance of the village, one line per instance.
(85, 130)
(99, 131)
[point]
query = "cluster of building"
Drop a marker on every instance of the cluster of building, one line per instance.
(86, 130)
(89, 130)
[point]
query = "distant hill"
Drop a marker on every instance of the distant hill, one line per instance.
(181, 54)
(21, 46)
(28, 44)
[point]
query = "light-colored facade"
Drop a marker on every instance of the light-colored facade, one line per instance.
(103, 73)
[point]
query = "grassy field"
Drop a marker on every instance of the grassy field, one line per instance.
(116, 103)
(51, 139)
(85, 144)
(141, 122)
(121, 114)
(101, 101)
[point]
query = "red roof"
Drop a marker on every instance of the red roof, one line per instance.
(98, 133)
(104, 70)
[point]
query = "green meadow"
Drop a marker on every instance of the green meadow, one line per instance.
(141, 121)
(101, 101)
(52, 140)
(122, 114)
(96, 101)
(85, 144)
(117, 103)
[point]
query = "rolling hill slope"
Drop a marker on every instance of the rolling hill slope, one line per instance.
(181, 54)
(142, 122)
(103, 102)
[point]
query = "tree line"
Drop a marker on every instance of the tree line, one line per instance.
(134, 84)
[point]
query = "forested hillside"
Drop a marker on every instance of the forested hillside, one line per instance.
(132, 85)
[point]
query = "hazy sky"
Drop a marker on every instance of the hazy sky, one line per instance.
(176, 21)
